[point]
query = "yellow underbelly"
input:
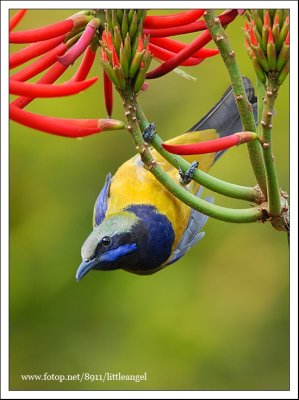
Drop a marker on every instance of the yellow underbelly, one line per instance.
(133, 184)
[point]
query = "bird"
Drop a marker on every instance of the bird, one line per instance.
(138, 225)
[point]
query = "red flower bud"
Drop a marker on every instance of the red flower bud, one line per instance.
(108, 92)
(270, 36)
(253, 38)
(267, 19)
(115, 59)
(276, 20)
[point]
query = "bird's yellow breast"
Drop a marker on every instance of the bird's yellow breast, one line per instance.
(133, 184)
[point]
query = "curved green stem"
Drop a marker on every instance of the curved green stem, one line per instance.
(225, 214)
(266, 123)
(245, 109)
(201, 177)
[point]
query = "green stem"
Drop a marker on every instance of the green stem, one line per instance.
(245, 108)
(201, 177)
(272, 181)
(225, 214)
(260, 89)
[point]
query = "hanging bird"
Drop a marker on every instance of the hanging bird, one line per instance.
(138, 225)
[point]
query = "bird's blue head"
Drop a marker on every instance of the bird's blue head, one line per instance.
(137, 240)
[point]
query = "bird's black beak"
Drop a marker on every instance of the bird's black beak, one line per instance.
(108, 261)
(86, 266)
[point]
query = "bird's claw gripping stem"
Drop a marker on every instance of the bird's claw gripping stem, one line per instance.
(186, 177)
(149, 132)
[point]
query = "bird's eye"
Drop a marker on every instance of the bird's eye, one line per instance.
(106, 241)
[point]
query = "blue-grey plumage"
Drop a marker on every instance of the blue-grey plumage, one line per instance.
(138, 225)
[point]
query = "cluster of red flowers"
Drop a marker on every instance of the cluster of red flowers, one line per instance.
(59, 45)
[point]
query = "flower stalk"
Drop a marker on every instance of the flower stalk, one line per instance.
(245, 109)
(266, 124)
(273, 60)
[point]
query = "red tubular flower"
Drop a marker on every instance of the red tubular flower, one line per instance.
(189, 28)
(186, 50)
(40, 65)
(13, 22)
(63, 126)
(180, 57)
(166, 55)
(170, 21)
(34, 50)
(50, 77)
(108, 90)
(125, 55)
(44, 33)
(175, 46)
(45, 90)
(211, 146)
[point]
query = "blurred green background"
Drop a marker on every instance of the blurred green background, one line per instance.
(216, 320)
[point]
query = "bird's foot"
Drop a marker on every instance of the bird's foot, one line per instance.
(186, 177)
(149, 132)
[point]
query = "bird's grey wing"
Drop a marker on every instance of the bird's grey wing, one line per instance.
(192, 234)
(224, 116)
(101, 203)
